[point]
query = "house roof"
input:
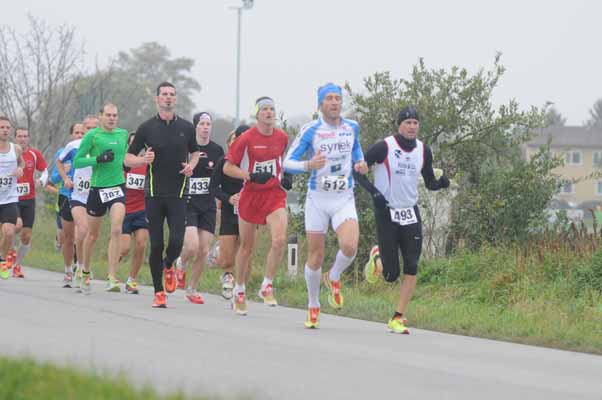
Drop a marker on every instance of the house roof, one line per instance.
(568, 137)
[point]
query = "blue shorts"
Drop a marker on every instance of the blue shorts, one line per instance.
(134, 221)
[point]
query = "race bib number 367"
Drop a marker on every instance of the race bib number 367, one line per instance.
(403, 216)
(109, 194)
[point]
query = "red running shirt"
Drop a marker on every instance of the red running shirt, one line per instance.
(134, 189)
(254, 152)
(34, 161)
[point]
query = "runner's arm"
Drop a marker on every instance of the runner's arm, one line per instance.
(428, 174)
(81, 159)
(293, 162)
(235, 171)
(215, 185)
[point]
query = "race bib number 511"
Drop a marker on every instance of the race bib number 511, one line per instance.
(109, 194)
(265, 166)
(403, 216)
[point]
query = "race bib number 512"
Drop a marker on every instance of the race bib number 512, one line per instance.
(403, 216)
(334, 183)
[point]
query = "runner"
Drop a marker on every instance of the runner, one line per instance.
(103, 149)
(227, 190)
(78, 184)
(201, 210)
(172, 154)
(256, 157)
(398, 159)
(11, 169)
(61, 176)
(333, 151)
(135, 223)
(34, 161)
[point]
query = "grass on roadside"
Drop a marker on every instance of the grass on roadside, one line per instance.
(553, 298)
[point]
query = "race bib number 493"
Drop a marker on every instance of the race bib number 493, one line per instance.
(333, 183)
(109, 194)
(403, 216)
(265, 166)
(199, 186)
(23, 188)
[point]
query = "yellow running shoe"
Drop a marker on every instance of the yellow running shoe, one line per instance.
(4, 274)
(313, 318)
(371, 274)
(396, 325)
(335, 297)
(267, 294)
(239, 304)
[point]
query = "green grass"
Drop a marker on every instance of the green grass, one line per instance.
(554, 300)
(30, 380)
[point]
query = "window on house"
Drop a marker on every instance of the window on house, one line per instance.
(597, 158)
(567, 188)
(572, 158)
(599, 188)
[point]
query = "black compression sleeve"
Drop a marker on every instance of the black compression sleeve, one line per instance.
(377, 153)
(138, 142)
(215, 185)
(365, 182)
(427, 170)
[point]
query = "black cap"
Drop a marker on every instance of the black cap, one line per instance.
(197, 117)
(408, 112)
(241, 129)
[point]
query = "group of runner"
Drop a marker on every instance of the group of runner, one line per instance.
(171, 171)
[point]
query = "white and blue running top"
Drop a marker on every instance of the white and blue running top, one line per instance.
(339, 144)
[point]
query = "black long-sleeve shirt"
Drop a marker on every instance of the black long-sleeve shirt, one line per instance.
(223, 186)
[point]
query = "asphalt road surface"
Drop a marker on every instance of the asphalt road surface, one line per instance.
(207, 349)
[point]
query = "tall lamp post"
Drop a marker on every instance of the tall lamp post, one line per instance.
(244, 5)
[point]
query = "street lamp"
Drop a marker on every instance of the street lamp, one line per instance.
(243, 5)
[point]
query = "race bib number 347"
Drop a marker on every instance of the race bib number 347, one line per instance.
(109, 194)
(403, 216)
(134, 181)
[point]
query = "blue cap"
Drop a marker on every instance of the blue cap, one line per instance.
(328, 88)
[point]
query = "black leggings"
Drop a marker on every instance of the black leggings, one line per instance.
(392, 238)
(157, 210)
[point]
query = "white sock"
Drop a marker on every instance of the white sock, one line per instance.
(23, 249)
(239, 288)
(266, 281)
(341, 262)
(312, 279)
(68, 269)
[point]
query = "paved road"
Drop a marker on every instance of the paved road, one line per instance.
(206, 349)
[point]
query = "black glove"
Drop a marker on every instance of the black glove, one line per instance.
(260, 177)
(287, 181)
(443, 182)
(379, 200)
(107, 156)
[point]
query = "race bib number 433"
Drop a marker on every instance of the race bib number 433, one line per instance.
(403, 216)
(333, 183)
(265, 166)
(109, 194)
(199, 186)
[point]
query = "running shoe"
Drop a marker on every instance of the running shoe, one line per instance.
(335, 298)
(370, 272)
(112, 285)
(313, 318)
(169, 279)
(4, 274)
(17, 273)
(227, 285)
(397, 325)
(131, 286)
(11, 257)
(78, 281)
(267, 294)
(86, 287)
(194, 297)
(68, 280)
(181, 278)
(239, 304)
(160, 300)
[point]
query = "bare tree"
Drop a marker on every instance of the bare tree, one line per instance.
(39, 72)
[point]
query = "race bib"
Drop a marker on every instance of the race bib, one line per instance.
(6, 182)
(265, 166)
(23, 188)
(134, 181)
(403, 216)
(82, 185)
(236, 209)
(109, 194)
(199, 186)
(334, 183)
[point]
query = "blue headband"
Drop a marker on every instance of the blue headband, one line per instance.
(328, 88)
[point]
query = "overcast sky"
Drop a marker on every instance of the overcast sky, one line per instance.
(551, 48)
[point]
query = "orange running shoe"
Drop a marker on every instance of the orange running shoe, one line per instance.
(17, 273)
(195, 297)
(160, 300)
(11, 257)
(181, 278)
(313, 318)
(169, 282)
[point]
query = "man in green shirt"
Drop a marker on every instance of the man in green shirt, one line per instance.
(103, 149)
